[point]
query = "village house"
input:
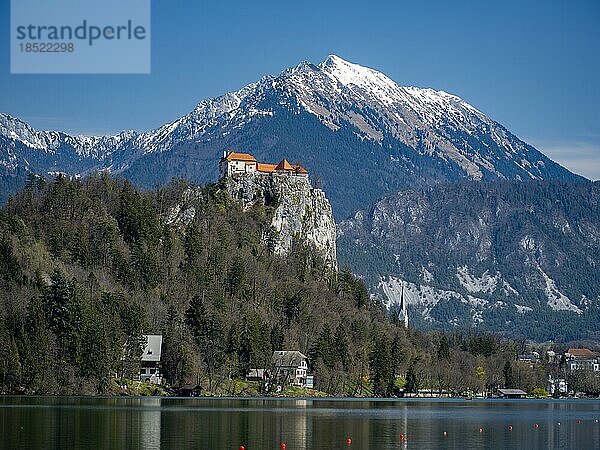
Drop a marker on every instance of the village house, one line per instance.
(512, 393)
(150, 367)
(239, 163)
(292, 367)
(582, 359)
(557, 386)
(551, 357)
(531, 359)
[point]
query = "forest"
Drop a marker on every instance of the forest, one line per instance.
(87, 266)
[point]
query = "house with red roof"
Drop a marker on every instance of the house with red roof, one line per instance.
(239, 163)
(582, 359)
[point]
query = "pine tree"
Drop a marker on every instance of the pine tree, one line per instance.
(412, 382)
(443, 349)
(382, 374)
(507, 371)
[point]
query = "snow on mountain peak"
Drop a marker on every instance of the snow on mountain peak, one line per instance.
(348, 73)
(375, 84)
(18, 130)
(340, 94)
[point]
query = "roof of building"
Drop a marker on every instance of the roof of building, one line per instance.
(299, 168)
(585, 352)
(268, 168)
(288, 358)
(532, 358)
(284, 165)
(233, 156)
(512, 392)
(153, 348)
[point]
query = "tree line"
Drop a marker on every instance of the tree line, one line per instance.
(87, 266)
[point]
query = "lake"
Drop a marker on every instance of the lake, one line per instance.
(211, 423)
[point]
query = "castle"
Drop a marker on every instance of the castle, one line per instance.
(301, 212)
(237, 163)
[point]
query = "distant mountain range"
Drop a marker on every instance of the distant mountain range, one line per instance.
(516, 258)
(353, 127)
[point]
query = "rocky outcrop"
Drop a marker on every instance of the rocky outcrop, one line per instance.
(301, 211)
(507, 257)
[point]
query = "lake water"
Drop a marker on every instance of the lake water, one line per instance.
(189, 423)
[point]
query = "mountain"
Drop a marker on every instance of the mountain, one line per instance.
(516, 258)
(354, 128)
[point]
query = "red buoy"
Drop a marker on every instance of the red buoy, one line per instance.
(242, 447)
(401, 437)
(349, 441)
(283, 446)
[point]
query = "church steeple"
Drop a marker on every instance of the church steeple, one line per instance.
(403, 307)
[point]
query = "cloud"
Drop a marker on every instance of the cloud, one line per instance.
(579, 156)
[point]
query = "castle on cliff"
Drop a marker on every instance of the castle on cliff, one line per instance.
(238, 163)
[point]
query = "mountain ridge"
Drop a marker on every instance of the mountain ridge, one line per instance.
(348, 123)
(503, 256)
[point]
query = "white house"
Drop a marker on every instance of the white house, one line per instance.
(150, 367)
(232, 163)
(582, 359)
(557, 386)
(291, 367)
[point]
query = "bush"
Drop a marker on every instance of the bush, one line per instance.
(539, 393)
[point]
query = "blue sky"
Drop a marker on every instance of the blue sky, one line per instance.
(534, 66)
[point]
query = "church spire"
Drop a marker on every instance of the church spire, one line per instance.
(403, 307)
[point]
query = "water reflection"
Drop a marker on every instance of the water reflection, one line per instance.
(150, 424)
(171, 423)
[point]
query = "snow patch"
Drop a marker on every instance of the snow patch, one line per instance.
(521, 309)
(556, 299)
(427, 297)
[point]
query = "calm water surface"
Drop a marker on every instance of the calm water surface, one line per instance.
(177, 423)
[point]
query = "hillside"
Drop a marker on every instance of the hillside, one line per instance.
(356, 130)
(87, 266)
(515, 258)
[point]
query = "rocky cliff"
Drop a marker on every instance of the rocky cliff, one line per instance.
(518, 258)
(301, 211)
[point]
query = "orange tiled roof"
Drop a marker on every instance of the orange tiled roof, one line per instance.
(299, 168)
(233, 156)
(581, 352)
(284, 165)
(268, 168)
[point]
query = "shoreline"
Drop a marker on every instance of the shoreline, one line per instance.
(321, 398)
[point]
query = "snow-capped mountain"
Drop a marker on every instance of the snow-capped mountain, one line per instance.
(361, 132)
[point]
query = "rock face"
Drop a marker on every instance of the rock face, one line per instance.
(301, 211)
(517, 258)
